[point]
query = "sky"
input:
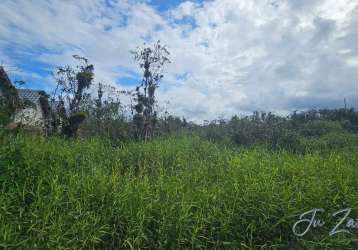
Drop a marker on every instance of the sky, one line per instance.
(227, 56)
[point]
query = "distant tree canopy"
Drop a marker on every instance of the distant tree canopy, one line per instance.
(105, 115)
(292, 132)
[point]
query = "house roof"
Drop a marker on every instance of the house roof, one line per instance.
(29, 95)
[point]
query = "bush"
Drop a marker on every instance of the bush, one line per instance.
(318, 128)
(287, 140)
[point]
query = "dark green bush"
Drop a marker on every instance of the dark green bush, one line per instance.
(319, 127)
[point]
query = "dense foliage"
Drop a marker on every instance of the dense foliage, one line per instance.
(301, 132)
(97, 181)
(174, 193)
(151, 61)
(295, 132)
(9, 100)
(70, 95)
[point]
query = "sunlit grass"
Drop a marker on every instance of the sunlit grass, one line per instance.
(176, 193)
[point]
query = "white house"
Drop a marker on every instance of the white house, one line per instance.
(32, 114)
(30, 104)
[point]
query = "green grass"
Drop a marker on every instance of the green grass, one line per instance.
(176, 193)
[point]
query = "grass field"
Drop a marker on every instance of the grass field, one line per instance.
(176, 193)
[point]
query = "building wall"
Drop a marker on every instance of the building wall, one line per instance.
(30, 116)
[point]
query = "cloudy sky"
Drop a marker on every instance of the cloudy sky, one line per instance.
(228, 56)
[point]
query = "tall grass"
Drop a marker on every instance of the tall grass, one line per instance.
(176, 193)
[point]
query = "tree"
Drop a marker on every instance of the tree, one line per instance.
(9, 99)
(152, 62)
(70, 94)
(105, 114)
(46, 109)
(11, 104)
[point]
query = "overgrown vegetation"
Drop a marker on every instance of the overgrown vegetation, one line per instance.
(151, 61)
(73, 111)
(174, 193)
(103, 179)
(9, 100)
(70, 95)
(298, 132)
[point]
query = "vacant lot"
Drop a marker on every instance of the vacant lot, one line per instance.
(175, 193)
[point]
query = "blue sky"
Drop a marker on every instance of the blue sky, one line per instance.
(163, 5)
(228, 56)
(26, 62)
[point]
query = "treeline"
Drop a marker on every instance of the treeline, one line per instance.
(299, 131)
(104, 115)
(74, 110)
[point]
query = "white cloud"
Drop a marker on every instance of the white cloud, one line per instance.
(352, 61)
(236, 56)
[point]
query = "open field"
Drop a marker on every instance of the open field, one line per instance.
(179, 124)
(174, 193)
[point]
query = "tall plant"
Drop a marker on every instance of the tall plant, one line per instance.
(151, 61)
(70, 94)
(9, 99)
